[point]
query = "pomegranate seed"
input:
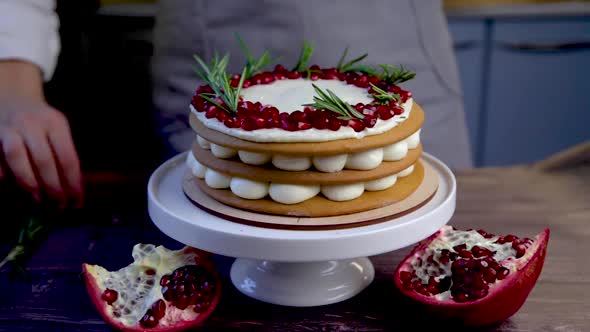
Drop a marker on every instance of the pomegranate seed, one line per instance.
(249, 124)
(334, 124)
(159, 309)
(260, 122)
(422, 289)
(397, 110)
(405, 276)
(110, 296)
(479, 293)
(150, 272)
(520, 250)
(359, 107)
(279, 76)
(374, 80)
(432, 289)
(459, 264)
(444, 260)
(430, 259)
(148, 320)
(460, 297)
(369, 122)
(303, 126)
(460, 247)
(201, 307)
(293, 75)
(362, 82)
(204, 89)
(230, 123)
(356, 125)
(272, 123)
(182, 302)
(280, 69)
(489, 275)
(298, 116)
(502, 273)
(212, 112)
(167, 293)
(222, 116)
(432, 281)
(246, 84)
(320, 122)
(385, 113)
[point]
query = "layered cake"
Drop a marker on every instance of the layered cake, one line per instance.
(306, 141)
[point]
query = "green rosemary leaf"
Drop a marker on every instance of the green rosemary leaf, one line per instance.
(304, 56)
(352, 65)
(342, 58)
(330, 101)
(395, 75)
(348, 65)
(213, 102)
(253, 65)
(364, 69)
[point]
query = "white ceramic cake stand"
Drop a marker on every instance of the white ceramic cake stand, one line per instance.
(294, 267)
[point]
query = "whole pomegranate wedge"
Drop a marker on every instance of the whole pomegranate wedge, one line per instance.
(472, 278)
(162, 290)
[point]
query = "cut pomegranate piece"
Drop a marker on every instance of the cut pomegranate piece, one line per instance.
(162, 290)
(471, 277)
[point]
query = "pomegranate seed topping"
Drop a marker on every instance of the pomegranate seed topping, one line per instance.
(369, 122)
(293, 75)
(385, 113)
(289, 125)
(359, 107)
(249, 124)
(246, 84)
(334, 124)
(109, 296)
(231, 123)
(298, 116)
(321, 121)
(204, 89)
(260, 123)
(303, 126)
(148, 320)
(356, 125)
(267, 78)
(222, 116)
(397, 110)
(314, 77)
(362, 82)
(234, 82)
(272, 123)
(279, 76)
(212, 112)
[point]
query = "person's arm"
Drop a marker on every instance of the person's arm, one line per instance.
(35, 139)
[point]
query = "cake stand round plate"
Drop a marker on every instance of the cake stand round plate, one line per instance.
(294, 267)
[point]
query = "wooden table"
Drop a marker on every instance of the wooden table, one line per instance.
(521, 200)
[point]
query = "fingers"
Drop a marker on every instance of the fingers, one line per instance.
(44, 163)
(17, 159)
(67, 159)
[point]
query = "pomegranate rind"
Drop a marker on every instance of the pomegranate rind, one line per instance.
(95, 293)
(501, 303)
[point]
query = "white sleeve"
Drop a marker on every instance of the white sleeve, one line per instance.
(29, 32)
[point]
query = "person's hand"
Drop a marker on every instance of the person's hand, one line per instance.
(36, 145)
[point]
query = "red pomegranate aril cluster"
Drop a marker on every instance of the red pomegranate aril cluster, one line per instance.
(188, 285)
(252, 116)
(472, 271)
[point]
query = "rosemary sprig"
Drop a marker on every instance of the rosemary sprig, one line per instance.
(29, 238)
(215, 75)
(253, 65)
(353, 65)
(330, 101)
(394, 75)
(384, 97)
(304, 56)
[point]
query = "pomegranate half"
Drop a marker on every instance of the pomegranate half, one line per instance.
(472, 278)
(162, 290)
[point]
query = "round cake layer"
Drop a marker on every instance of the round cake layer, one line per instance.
(405, 129)
(320, 206)
(365, 160)
(268, 173)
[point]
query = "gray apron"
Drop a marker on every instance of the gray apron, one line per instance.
(413, 33)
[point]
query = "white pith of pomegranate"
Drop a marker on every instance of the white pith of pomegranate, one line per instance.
(472, 276)
(162, 290)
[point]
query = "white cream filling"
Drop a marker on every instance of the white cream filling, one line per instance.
(289, 96)
(289, 193)
(365, 160)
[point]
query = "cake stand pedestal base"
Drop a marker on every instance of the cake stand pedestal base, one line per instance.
(302, 284)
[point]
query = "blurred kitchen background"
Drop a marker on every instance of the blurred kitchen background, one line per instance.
(524, 65)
